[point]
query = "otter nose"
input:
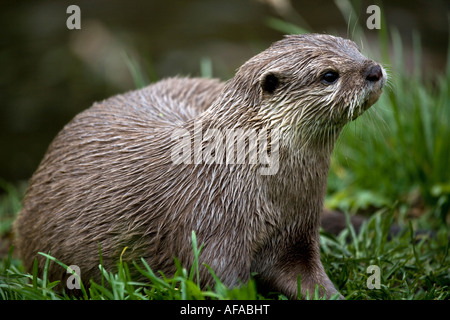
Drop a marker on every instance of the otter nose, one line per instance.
(374, 73)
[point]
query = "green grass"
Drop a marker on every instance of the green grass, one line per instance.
(15, 284)
(411, 268)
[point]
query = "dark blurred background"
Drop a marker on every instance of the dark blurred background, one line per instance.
(50, 73)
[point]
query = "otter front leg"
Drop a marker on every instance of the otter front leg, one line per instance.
(280, 264)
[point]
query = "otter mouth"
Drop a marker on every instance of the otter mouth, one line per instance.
(369, 101)
(351, 113)
(374, 90)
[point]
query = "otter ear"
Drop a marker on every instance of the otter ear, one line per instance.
(270, 81)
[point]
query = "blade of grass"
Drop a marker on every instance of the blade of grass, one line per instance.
(51, 258)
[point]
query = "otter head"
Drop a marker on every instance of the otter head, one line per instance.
(310, 84)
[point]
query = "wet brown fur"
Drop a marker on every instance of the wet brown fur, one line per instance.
(107, 179)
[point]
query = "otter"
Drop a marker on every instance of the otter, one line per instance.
(110, 179)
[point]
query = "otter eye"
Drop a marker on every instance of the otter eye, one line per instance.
(329, 77)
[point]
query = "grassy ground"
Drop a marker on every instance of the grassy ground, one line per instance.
(411, 267)
(391, 164)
